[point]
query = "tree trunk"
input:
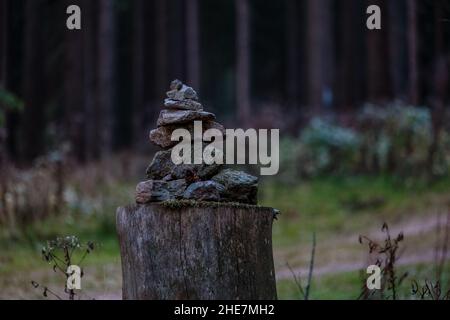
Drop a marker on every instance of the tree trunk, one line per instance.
(89, 31)
(3, 79)
(138, 74)
(441, 82)
(243, 61)
(292, 50)
(320, 55)
(346, 48)
(176, 36)
(75, 117)
(193, 44)
(106, 76)
(378, 58)
(412, 51)
(397, 45)
(440, 89)
(193, 252)
(440, 21)
(161, 63)
(34, 82)
(3, 41)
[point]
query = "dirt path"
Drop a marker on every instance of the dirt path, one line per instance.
(285, 273)
(419, 247)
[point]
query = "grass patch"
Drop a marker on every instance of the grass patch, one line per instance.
(342, 205)
(22, 251)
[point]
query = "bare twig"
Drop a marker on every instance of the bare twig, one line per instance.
(387, 256)
(311, 267)
(297, 281)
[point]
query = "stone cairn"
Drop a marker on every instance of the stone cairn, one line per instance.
(198, 182)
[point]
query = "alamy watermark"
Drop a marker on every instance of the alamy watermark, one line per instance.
(73, 22)
(74, 277)
(374, 20)
(373, 282)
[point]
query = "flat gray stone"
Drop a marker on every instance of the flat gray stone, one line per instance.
(162, 168)
(204, 191)
(171, 117)
(152, 191)
(181, 93)
(176, 188)
(158, 190)
(183, 105)
(238, 186)
(162, 136)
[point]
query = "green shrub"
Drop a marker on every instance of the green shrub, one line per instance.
(395, 139)
(328, 147)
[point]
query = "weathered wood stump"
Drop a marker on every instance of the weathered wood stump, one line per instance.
(199, 251)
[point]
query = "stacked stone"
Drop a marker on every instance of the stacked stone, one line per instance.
(199, 182)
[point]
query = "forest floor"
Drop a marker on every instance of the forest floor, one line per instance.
(337, 210)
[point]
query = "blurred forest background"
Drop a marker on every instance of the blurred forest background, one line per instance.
(364, 118)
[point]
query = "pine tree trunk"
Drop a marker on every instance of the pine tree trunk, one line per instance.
(106, 48)
(3, 78)
(138, 74)
(292, 59)
(3, 41)
(176, 36)
(397, 45)
(345, 93)
(161, 63)
(378, 59)
(33, 82)
(441, 83)
(243, 61)
(89, 31)
(75, 117)
(412, 51)
(193, 44)
(320, 59)
(222, 252)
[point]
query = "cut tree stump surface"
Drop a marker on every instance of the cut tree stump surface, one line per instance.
(196, 251)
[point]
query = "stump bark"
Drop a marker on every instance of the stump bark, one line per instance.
(196, 252)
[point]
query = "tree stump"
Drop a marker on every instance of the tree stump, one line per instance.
(199, 251)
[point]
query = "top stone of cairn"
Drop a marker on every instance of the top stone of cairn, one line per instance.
(180, 92)
(182, 97)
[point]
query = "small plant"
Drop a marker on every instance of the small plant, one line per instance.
(387, 254)
(396, 138)
(434, 290)
(393, 139)
(329, 147)
(429, 290)
(60, 253)
(386, 257)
